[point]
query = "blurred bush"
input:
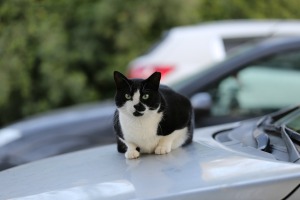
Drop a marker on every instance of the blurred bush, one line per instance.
(59, 53)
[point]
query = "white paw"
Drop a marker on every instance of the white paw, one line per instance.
(162, 150)
(133, 154)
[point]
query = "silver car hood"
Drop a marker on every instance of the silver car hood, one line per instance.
(203, 170)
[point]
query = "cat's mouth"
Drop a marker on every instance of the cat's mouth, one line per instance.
(138, 114)
(139, 109)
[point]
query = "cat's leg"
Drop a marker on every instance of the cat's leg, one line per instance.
(132, 151)
(171, 141)
(164, 145)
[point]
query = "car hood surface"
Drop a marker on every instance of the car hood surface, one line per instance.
(203, 170)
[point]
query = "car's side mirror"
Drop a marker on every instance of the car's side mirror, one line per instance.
(202, 101)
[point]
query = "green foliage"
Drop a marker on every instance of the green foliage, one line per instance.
(249, 9)
(58, 53)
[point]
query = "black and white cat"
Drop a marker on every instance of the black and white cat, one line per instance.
(150, 118)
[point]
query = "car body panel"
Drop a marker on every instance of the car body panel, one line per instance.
(59, 131)
(205, 169)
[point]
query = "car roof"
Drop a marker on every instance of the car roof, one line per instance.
(199, 38)
(240, 28)
(203, 168)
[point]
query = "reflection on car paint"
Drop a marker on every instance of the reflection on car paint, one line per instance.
(120, 189)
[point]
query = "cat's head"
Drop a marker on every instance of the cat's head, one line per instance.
(137, 97)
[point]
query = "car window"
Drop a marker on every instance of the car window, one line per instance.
(261, 87)
(230, 44)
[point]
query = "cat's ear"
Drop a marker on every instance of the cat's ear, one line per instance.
(154, 80)
(121, 80)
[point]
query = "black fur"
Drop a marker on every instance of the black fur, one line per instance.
(177, 109)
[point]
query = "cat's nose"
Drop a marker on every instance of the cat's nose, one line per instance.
(139, 107)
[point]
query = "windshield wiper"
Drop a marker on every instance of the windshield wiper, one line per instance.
(281, 113)
(266, 124)
(293, 134)
(294, 155)
(262, 139)
(286, 135)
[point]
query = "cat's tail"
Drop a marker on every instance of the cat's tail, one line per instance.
(190, 126)
(121, 146)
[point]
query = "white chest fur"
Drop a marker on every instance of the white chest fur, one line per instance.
(142, 130)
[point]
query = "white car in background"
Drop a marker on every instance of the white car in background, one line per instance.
(183, 50)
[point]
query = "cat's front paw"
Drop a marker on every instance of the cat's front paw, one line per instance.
(133, 154)
(162, 150)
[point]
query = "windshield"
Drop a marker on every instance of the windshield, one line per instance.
(294, 124)
(291, 120)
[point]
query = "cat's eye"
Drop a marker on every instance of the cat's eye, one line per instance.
(145, 96)
(127, 96)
